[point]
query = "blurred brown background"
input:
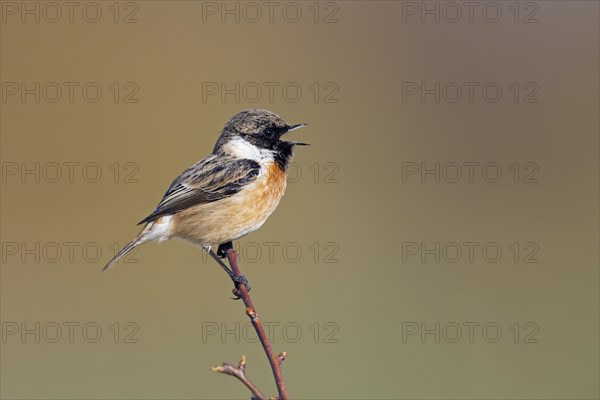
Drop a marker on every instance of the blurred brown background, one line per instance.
(345, 271)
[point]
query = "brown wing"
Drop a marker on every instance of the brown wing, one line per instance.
(211, 179)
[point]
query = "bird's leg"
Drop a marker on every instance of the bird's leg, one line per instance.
(218, 260)
(223, 247)
(237, 280)
(222, 252)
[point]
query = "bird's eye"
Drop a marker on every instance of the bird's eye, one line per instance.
(269, 133)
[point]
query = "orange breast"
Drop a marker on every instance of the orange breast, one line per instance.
(275, 182)
(267, 193)
(235, 216)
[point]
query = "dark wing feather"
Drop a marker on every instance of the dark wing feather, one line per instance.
(211, 179)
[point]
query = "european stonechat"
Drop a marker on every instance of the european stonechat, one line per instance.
(228, 194)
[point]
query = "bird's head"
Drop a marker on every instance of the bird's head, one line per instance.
(253, 130)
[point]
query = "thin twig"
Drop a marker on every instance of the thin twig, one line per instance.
(240, 373)
(242, 292)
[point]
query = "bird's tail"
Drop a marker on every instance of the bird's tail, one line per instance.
(128, 247)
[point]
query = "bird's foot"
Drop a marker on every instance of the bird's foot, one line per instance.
(223, 247)
(237, 281)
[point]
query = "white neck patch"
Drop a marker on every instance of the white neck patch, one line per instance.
(241, 148)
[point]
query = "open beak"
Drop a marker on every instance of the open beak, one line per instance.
(293, 128)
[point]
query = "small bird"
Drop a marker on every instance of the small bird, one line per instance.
(228, 194)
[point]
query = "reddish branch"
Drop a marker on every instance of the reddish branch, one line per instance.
(275, 360)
